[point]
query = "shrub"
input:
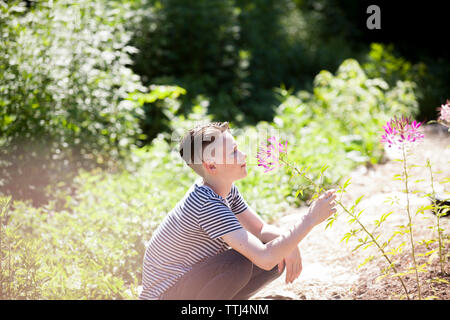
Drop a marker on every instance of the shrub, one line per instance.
(63, 81)
(93, 241)
(192, 44)
(233, 52)
(160, 106)
(340, 119)
(384, 61)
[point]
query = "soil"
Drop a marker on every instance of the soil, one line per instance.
(330, 268)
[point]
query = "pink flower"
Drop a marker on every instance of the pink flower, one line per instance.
(444, 114)
(401, 132)
(269, 156)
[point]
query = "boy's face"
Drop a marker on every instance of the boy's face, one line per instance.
(223, 159)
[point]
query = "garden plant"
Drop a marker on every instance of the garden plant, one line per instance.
(95, 95)
(81, 234)
(403, 135)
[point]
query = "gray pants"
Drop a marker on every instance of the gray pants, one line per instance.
(226, 276)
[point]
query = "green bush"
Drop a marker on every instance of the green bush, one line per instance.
(160, 106)
(92, 242)
(192, 44)
(236, 52)
(232, 52)
(383, 62)
(64, 77)
(338, 124)
(429, 75)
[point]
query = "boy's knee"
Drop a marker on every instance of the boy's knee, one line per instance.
(241, 266)
(242, 263)
(274, 273)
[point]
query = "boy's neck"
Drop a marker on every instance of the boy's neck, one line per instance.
(221, 188)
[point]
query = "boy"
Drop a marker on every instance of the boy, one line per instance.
(212, 245)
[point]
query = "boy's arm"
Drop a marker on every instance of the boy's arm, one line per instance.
(253, 223)
(267, 255)
(292, 262)
(266, 232)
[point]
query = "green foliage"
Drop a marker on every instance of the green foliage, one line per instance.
(390, 246)
(243, 49)
(160, 106)
(192, 44)
(69, 101)
(91, 244)
(232, 52)
(341, 118)
(439, 211)
(63, 81)
(384, 63)
(21, 275)
(93, 239)
(429, 76)
(387, 248)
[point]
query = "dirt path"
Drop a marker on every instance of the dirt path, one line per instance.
(330, 268)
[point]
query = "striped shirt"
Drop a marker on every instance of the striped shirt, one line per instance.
(190, 233)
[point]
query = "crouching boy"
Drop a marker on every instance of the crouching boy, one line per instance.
(212, 245)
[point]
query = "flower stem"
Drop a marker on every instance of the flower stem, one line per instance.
(410, 222)
(391, 264)
(441, 259)
(378, 246)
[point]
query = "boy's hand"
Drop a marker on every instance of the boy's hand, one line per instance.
(293, 263)
(322, 208)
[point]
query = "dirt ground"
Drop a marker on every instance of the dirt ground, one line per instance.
(330, 268)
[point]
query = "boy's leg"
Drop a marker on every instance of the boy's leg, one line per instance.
(260, 278)
(220, 277)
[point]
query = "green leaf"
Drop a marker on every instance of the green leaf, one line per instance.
(367, 260)
(346, 183)
(346, 237)
(440, 280)
(359, 213)
(330, 223)
(325, 167)
(400, 274)
(384, 216)
(358, 200)
(381, 277)
(424, 208)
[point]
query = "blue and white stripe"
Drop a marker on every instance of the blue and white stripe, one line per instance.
(190, 233)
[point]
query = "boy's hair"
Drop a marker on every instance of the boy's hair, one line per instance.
(196, 140)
